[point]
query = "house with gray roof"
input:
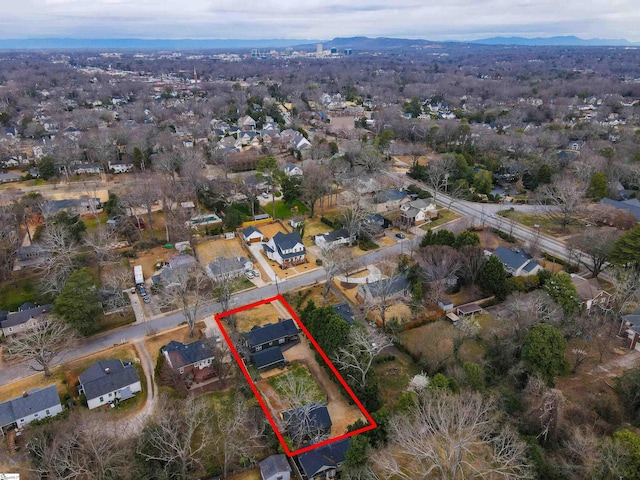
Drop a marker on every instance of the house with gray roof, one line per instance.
(517, 261)
(268, 358)
(323, 462)
(31, 255)
(9, 177)
(417, 212)
(275, 467)
(252, 235)
(292, 170)
(308, 423)
(25, 320)
(80, 206)
(631, 205)
(107, 381)
(286, 249)
(223, 267)
(333, 239)
(386, 290)
(33, 405)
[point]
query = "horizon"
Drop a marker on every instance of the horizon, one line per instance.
(464, 20)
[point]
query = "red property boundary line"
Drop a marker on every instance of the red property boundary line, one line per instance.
(256, 392)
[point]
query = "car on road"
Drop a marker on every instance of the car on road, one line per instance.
(249, 274)
(400, 235)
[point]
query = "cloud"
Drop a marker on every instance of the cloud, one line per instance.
(453, 19)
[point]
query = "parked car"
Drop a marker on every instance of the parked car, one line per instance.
(400, 235)
(249, 274)
(146, 299)
(265, 195)
(256, 273)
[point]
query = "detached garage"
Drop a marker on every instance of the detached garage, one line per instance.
(252, 235)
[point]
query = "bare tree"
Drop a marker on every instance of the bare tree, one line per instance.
(117, 280)
(596, 245)
(565, 196)
(382, 295)
(9, 238)
(43, 344)
(333, 260)
(239, 432)
(100, 241)
(438, 173)
(353, 212)
(58, 264)
(439, 262)
(473, 260)
(453, 437)
(356, 358)
(545, 408)
(626, 291)
(316, 183)
(178, 436)
(187, 291)
(82, 446)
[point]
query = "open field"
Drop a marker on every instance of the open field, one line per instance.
(261, 315)
(433, 341)
(207, 252)
(547, 224)
(394, 377)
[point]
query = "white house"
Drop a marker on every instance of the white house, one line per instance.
(30, 406)
(417, 212)
(252, 235)
(333, 239)
(120, 167)
(108, 381)
(286, 248)
(292, 170)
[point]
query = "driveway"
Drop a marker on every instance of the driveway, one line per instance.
(342, 414)
(256, 251)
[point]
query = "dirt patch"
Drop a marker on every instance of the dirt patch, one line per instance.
(298, 300)
(433, 342)
(267, 313)
(207, 252)
(385, 241)
(342, 414)
(270, 229)
(149, 258)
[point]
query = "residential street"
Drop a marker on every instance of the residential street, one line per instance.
(481, 213)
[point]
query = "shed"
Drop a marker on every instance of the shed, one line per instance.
(468, 309)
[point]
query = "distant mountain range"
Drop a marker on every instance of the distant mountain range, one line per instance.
(551, 41)
(356, 43)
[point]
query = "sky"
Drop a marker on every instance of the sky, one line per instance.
(319, 19)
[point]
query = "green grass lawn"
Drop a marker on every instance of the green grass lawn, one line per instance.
(285, 211)
(444, 216)
(301, 380)
(16, 292)
(548, 225)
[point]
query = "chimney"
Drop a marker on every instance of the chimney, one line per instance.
(106, 370)
(25, 394)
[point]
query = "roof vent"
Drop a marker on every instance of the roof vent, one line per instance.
(107, 371)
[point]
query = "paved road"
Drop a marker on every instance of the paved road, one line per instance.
(483, 214)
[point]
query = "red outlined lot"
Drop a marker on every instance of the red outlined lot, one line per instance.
(256, 391)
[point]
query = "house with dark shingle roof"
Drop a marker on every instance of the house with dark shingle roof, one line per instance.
(268, 358)
(345, 311)
(33, 405)
(323, 462)
(191, 359)
(286, 249)
(517, 261)
(308, 423)
(590, 292)
(275, 467)
(271, 334)
(25, 320)
(108, 380)
(632, 205)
